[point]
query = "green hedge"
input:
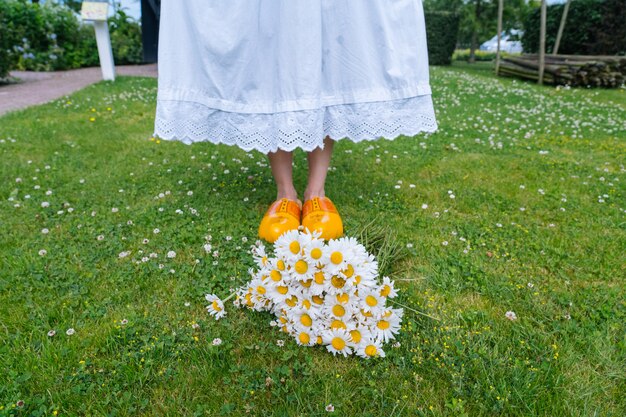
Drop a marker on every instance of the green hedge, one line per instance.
(441, 32)
(49, 36)
(593, 27)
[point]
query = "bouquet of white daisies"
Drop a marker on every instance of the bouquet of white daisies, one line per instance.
(322, 293)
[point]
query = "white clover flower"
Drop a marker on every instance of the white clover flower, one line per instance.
(43, 252)
(171, 254)
(217, 341)
(70, 331)
(510, 315)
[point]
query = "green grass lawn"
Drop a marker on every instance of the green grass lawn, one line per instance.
(517, 203)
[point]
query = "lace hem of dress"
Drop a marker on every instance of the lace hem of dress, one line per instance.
(191, 122)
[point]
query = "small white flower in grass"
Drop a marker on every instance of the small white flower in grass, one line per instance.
(100, 237)
(530, 285)
(195, 326)
(330, 408)
(171, 254)
(424, 206)
(216, 308)
(70, 331)
(124, 321)
(444, 243)
(217, 341)
(43, 252)
(187, 304)
(49, 192)
(124, 254)
(45, 204)
(510, 315)
(114, 210)
(280, 343)
(156, 231)
(51, 333)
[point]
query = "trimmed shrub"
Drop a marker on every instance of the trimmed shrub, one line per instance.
(593, 27)
(442, 28)
(50, 36)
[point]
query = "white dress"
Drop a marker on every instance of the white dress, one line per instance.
(284, 74)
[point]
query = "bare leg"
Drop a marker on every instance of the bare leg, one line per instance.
(282, 164)
(319, 161)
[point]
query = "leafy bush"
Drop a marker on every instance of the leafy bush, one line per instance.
(441, 32)
(593, 27)
(463, 55)
(50, 36)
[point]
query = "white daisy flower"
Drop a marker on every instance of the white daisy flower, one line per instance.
(304, 336)
(387, 325)
(372, 301)
(337, 341)
(370, 348)
(387, 289)
(216, 308)
(288, 246)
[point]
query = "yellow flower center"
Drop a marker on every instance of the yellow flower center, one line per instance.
(316, 253)
(338, 310)
(338, 324)
(337, 282)
(356, 336)
(275, 275)
(216, 306)
(306, 320)
(249, 299)
(386, 290)
(264, 260)
(349, 271)
(343, 298)
(294, 247)
(280, 265)
(304, 338)
(366, 313)
(291, 301)
(371, 350)
(260, 289)
(282, 289)
(319, 340)
(319, 277)
(307, 283)
(383, 325)
(357, 280)
(371, 301)
(317, 299)
(306, 304)
(283, 320)
(338, 343)
(387, 313)
(301, 266)
(336, 257)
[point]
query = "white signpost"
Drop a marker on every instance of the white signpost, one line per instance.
(97, 12)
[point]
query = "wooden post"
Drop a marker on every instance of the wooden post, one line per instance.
(500, 7)
(542, 42)
(555, 50)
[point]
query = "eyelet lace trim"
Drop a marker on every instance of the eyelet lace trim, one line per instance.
(191, 122)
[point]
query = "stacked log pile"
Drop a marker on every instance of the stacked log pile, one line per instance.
(573, 70)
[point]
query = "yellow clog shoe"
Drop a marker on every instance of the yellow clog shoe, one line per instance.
(281, 216)
(319, 213)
